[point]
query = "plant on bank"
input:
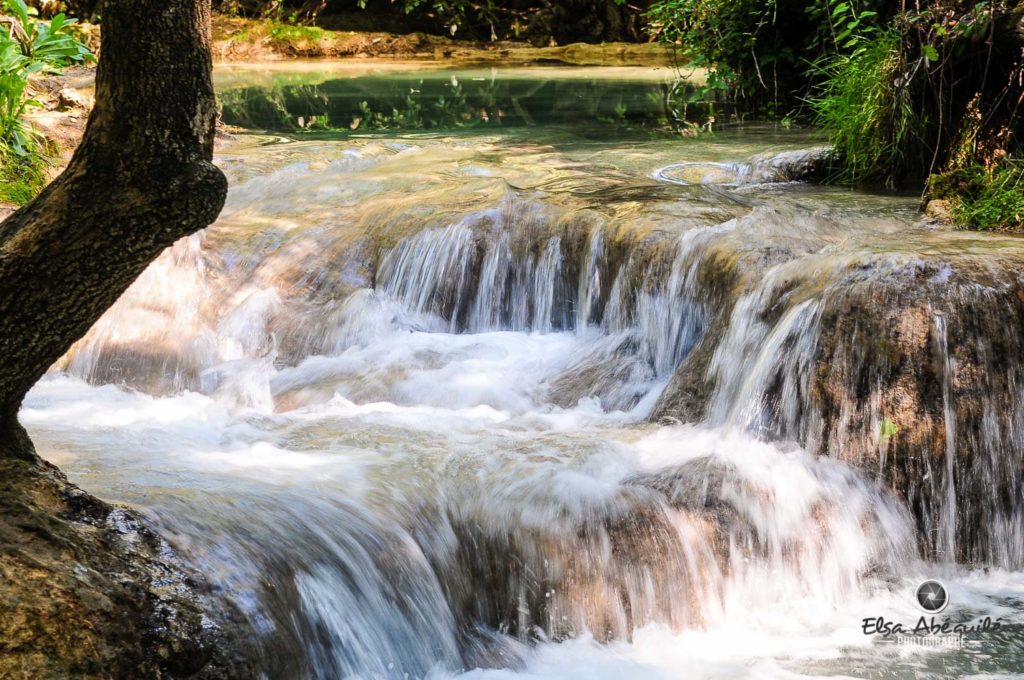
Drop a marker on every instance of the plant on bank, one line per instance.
(758, 52)
(981, 198)
(937, 90)
(937, 101)
(28, 47)
(866, 105)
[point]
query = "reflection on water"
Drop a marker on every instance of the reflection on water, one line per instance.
(394, 403)
(443, 99)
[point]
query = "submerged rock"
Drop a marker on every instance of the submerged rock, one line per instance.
(87, 590)
(609, 571)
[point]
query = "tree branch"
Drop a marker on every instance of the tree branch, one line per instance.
(141, 179)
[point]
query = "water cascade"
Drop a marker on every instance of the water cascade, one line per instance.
(424, 405)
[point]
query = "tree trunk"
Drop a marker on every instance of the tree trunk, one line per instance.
(141, 179)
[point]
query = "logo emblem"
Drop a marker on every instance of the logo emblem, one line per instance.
(932, 597)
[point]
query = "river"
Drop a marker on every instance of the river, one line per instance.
(420, 403)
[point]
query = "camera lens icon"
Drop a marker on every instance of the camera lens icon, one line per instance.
(932, 596)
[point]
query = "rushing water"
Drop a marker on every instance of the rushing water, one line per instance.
(408, 403)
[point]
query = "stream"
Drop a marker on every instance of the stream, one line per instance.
(488, 373)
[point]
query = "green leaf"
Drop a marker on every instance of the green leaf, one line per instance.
(20, 10)
(889, 428)
(930, 53)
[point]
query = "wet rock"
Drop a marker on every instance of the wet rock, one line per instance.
(801, 165)
(905, 366)
(696, 488)
(86, 590)
(607, 571)
(920, 385)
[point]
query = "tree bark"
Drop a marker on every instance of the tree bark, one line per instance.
(141, 178)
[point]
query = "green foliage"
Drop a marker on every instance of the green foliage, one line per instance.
(14, 73)
(757, 51)
(721, 36)
(46, 45)
(939, 87)
(848, 28)
(982, 198)
(539, 21)
(869, 114)
(27, 47)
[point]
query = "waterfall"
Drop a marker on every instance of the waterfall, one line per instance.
(484, 412)
(649, 303)
(545, 286)
(947, 524)
(590, 279)
(431, 272)
(789, 367)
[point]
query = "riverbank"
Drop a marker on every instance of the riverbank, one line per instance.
(236, 39)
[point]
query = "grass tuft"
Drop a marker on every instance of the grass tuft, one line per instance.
(869, 113)
(294, 33)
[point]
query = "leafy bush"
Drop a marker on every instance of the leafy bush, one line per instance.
(938, 90)
(721, 36)
(27, 47)
(759, 50)
(15, 70)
